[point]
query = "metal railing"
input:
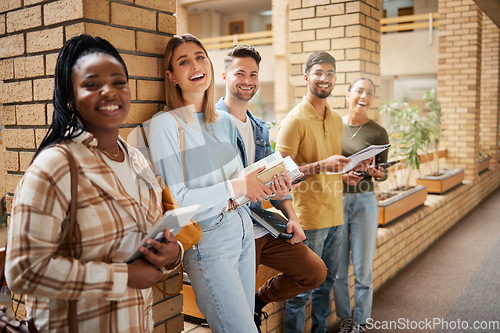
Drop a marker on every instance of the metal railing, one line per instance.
(409, 22)
(251, 38)
(390, 24)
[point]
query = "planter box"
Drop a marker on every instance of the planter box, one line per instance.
(440, 184)
(401, 203)
(484, 163)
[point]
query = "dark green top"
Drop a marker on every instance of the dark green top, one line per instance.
(370, 134)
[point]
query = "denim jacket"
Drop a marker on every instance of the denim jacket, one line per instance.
(262, 144)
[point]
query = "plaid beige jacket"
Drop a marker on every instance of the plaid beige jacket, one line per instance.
(110, 224)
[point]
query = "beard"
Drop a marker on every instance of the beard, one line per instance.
(320, 94)
(241, 96)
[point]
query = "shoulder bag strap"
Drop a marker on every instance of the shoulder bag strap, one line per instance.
(181, 139)
(72, 313)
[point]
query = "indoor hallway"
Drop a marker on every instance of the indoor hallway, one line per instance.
(456, 281)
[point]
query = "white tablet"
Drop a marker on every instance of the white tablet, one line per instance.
(172, 220)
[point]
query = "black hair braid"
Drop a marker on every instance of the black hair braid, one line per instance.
(66, 120)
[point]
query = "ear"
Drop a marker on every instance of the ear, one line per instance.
(306, 78)
(170, 76)
(224, 76)
(347, 96)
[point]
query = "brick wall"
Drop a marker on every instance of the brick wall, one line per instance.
(490, 89)
(31, 34)
(348, 30)
(459, 78)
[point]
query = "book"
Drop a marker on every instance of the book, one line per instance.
(275, 164)
(173, 220)
(273, 222)
(362, 155)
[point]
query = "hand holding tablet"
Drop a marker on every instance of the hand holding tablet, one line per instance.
(172, 220)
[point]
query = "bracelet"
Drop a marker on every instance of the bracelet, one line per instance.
(173, 265)
(318, 168)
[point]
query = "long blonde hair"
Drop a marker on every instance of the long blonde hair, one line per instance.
(174, 99)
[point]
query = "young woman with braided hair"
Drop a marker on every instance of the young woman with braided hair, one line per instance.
(119, 200)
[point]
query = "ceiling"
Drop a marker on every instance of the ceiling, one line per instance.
(226, 6)
(490, 8)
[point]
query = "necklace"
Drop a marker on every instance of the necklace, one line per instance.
(111, 156)
(211, 132)
(355, 133)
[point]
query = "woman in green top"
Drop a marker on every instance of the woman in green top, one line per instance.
(360, 208)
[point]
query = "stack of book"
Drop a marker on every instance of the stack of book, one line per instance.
(275, 164)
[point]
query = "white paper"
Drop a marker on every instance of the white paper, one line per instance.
(361, 156)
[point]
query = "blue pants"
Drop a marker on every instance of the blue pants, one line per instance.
(360, 237)
(326, 244)
(221, 268)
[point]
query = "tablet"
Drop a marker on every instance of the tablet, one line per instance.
(172, 220)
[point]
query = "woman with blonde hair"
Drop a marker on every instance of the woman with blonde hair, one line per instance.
(221, 267)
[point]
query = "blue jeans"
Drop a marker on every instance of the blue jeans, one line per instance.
(326, 244)
(360, 225)
(221, 268)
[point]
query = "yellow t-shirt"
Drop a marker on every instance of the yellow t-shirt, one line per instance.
(317, 200)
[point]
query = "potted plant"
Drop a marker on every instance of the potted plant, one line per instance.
(484, 161)
(440, 180)
(409, 134)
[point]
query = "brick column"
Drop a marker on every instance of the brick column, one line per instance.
(348, 30)
(490, 90)
(282, 86)
(459, 76)
(31, 34)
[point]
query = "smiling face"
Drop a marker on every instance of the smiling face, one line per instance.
(360, 97)
(101, 92)
(321, 79)
(191, 68)
(242, 78)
